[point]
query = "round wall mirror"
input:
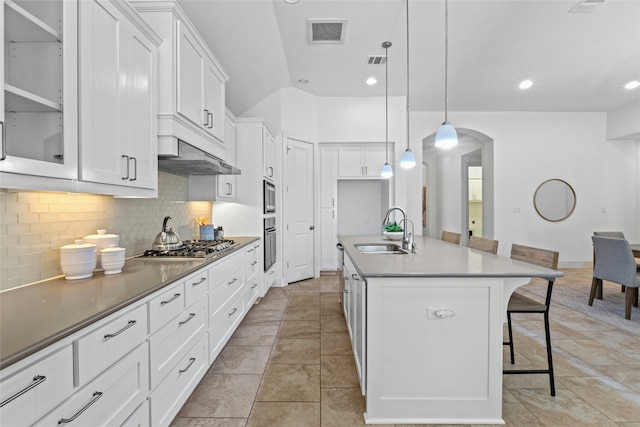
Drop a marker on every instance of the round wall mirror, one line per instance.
(554, 200)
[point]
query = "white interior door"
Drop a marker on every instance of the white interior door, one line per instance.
(299, 228)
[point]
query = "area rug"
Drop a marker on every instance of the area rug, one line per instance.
(572, 291)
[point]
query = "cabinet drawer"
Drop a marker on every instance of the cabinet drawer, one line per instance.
(270, 278)
(36, 389)
(223, 323)
(195, 286)
(172, 341)
(166, 306)
(111, 398)
(251, 261)
(251, 290)
(140, 417)
(219, 272)
(102, 347)
(229, 286)
(167, 399)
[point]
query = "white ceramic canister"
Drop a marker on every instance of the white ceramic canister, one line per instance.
(102, 240)
(78, 260)
(112, 259)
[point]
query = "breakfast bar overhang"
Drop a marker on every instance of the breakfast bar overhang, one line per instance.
(426, 329)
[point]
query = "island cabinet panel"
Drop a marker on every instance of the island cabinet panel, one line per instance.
(432, 350)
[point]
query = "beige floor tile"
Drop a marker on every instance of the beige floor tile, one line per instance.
(558, 330)
(254, 335)
(338, 371)
(517, 415)
(270, 304)
(333, 324)
(296, 351)
(304, 300)
(335, 343)
(330, 308)
(263, 317)
(309, 329)
(209, 422)
(342, 407)
(563, 409)
(627, 375)
(242, 360)
(622, 341)
(302, 313)
(285, 414)
(278, 293)
(331, 297)
(564, 364)
(613, 399)
(226, 396)
(594, 353)
(329, 286)
(581, 323)
(634, 424)
(290, 383)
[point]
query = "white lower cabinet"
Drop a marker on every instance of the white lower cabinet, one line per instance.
(140, 418)
(30, 393)
(111, 398)
(167, 399)
(224, 320)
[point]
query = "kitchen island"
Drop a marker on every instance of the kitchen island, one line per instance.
(426, 329)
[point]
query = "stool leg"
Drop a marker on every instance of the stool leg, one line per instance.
(549, 356)
(510, 337)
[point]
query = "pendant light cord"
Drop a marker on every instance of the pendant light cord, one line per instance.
(386, 101)
(407, 74)
(446, 59)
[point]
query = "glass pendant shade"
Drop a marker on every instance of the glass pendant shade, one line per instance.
(408, 160)
(387, 171)
(446, 137)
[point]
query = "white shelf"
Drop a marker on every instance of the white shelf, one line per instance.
(21, 101)
(22, 26)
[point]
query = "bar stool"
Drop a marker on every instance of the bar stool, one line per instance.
(450, 237)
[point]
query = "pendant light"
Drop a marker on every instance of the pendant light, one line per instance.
(387, 171)
(408, 160)
(446, 137)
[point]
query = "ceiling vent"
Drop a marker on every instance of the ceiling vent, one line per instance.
(326, 31)
(376, 60)
(586, 6)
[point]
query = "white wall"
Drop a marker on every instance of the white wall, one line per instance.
(624, 122)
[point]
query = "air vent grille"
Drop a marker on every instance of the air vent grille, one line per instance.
(376, 60)
(323, 31)
(586, 6)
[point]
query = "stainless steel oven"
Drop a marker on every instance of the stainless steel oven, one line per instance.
(269, 242)
(269, 197)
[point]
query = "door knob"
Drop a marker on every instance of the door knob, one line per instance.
(311, 227)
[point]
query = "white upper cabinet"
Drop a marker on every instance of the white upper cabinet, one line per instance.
(117, 98)
(357, 161)
(269, 154)
(226, 185)
(192, 82)
(39, 119)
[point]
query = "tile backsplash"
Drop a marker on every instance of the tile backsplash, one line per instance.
(34, 225)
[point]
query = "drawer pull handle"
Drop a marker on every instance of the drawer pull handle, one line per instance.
(249, 250)
(191, 316)
(130, 323)
(191, 360)
(254, 262)
(354, 276)
(233, 311)
(170, 299)
(233, 281)
(254, 286)
(97, 395)
(194, 284)
(37, 380)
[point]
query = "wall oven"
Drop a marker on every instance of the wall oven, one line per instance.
(269, 197)
(269, 242)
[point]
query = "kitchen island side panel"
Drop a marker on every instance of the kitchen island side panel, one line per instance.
(427, 369)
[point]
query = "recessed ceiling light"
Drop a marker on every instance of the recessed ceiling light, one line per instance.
(291, 1)
(303, 81)
(525, 84)
(634, 84)
(371, 81)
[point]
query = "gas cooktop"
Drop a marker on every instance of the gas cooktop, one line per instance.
(194, 249)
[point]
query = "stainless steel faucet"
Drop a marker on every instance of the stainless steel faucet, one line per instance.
(407, 240)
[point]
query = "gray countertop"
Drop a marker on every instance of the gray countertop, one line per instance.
(436, 258)
(35, 316)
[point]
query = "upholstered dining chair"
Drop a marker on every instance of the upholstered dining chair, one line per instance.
(486, 245)
(615, 263)
(451, 237)
(617, 235)
(519, 303)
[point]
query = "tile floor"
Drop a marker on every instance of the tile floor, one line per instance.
(290, 364)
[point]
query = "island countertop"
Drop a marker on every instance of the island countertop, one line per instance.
(35, 316)
(436, 258)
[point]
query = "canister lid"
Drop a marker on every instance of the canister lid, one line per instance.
(112, 249)
(78, 245)
(102, 234)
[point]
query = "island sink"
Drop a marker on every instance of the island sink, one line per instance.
(380, 248)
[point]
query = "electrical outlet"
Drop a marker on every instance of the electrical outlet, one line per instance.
(431, 312)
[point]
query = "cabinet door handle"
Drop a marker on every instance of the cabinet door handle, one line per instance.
(130, 324)
(3, 154)
(135, 169)
(211, 122)
(191, 360)
(270, 172)
(194, 284)
(229, 188)
(206, 117)
(254, 286)
(354, 276)
(249, 250)
(97, 395)
(233, 281)
(170, 299)
(37, 380)
(366, 170)
(124, 156)
(254, 262)
(233, 312)
(191, 316)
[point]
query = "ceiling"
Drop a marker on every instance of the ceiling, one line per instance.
(578, 61)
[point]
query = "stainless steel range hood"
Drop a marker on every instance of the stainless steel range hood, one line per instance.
(193, 161)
